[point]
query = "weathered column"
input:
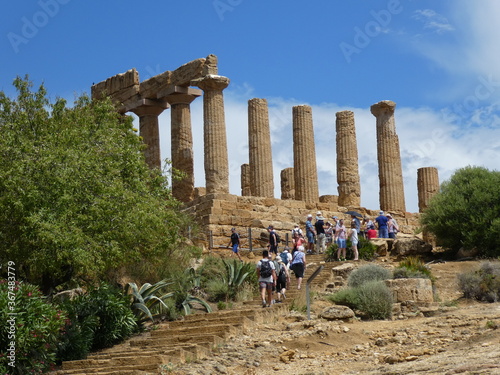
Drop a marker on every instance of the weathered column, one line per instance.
(148, 111)
(304, 155)
(181, 136)
(427, 185)
(347, 161)
(259, 148)
(390, 172)
(245, 180)
(214, 133)
(287, 184)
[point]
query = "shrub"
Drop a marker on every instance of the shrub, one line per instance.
(99, 319)
(412, 267)
(483, 284)
(369, 272)
(372, 298)
(218, 290)
(375, 300)
(366, 249)
(34, 325)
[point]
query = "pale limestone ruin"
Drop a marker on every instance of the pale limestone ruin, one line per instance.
(347, 161)
(390, 171)
(217, 210)
(259, 148)
(304, 155)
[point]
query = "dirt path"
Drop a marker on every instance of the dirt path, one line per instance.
(461, 338)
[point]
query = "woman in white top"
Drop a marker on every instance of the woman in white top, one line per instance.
(353, 236)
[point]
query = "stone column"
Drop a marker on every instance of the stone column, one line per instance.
(181, 136)
(427, 185)
(259, 148)
(390, 172)
(214, 133)
(304, 155)
(148, 111)
(287, 184)
(347, 161)
(245, 180)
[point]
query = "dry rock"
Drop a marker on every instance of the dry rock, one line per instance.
(337, 313)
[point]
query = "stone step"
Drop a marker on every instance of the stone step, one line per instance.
(208, 340)
(188, 330)
(207, 320)
(135, 363)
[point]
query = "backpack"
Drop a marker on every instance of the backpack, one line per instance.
(265, 269)
(278, 238)
(284, 258)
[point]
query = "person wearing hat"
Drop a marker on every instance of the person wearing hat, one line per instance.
(382, 220)
(298, 265)
(319, 226)
(296, 229)
(234, 242)
(310, 233)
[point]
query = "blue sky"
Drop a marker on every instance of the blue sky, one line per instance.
(438, 60)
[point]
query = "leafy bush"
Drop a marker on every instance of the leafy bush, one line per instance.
(372, 298)
(366, 250)
(366, 273)
(33, 325)
(375, 300)
(412, 267)
(466, 212)
(218, 290)
(483, 284)
(99, 319)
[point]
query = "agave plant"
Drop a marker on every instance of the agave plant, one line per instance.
(148, 302)
(237, 272)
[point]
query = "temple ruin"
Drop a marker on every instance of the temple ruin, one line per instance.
(212, 205)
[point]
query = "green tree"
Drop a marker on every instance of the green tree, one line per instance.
(77, 200)
(466, 211)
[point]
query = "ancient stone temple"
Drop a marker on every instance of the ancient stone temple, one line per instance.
(259, 148)
(304, 155)
(213, 207)
(347, 161)
(392, 197)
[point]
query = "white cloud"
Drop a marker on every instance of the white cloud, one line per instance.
(433, 21)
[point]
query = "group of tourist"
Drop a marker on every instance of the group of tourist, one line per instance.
(274, 274)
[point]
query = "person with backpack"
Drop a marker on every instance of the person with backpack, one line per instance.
(392, 227)
(283, 278)
(267, 278)
(340, 234)
(286, 257)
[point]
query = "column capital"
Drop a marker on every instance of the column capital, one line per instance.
(211, 82)
(383, 107)
(344, 115)
(179, 94)
(145, 107)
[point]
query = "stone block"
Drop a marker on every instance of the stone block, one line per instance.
(343, 270)
(405, 247)
(337, 312)
(115, 84)
(183, 75)
(150, 87)
(382, 246)
(417, 290)
(329, 199)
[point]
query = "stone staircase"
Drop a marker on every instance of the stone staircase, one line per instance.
(190, 339)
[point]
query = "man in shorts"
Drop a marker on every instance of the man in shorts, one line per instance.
(310, 233)
(235, 243)
(267, 281)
